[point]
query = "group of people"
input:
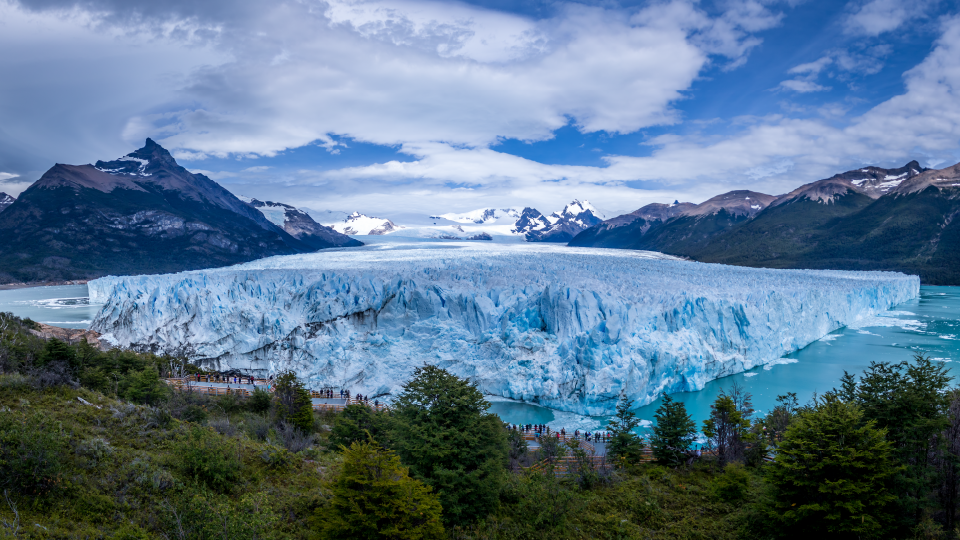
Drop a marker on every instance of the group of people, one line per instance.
(541, 430)
(228, 380)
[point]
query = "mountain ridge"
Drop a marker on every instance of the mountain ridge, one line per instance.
(142, 213)
(871, 218)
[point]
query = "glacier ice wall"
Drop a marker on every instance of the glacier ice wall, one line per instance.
(567, 328)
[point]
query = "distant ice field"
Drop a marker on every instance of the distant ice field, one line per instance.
(567, 328)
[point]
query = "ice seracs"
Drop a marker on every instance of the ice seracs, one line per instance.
(567, 328)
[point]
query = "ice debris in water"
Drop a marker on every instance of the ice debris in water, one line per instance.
(567, 328)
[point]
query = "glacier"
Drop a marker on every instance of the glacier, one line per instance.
(566, 328)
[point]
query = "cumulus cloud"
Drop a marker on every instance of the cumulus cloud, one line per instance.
(875, 17)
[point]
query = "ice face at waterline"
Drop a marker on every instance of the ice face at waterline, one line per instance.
(567, 328)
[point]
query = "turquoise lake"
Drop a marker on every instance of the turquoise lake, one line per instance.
(929, 324)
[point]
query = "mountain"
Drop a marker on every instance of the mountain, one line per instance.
(680, 225)
(869, 219)
(483, 216)
(359, 224)
(5, 201)
(301, 226)
(142, 213)
(559, 226)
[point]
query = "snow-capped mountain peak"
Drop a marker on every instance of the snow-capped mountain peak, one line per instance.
(360, 224)
(483, 216)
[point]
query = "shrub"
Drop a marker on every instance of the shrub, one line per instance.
(146, 387)
(259, 401)
(374, 497)
(733, 484)
(357, 423)
(207, 460)
(293, 438)
(30, 454)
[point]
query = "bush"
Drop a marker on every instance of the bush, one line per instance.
(374, 497)
(357, 423)
(293, 438)
(146, 387)
(732, 486)
(207, 460)
(260, 401)
(30, 454)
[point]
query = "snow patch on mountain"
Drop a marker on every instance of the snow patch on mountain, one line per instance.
(5, 201)
(567, 328)
(357, 223)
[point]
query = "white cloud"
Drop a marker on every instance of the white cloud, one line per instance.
(395, 72)
(802, 86)
(811, 68)
(772, 154)
(7, 176)
(875, 17)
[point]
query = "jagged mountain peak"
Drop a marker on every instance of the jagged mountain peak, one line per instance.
(946, 178)
(5, 201)
(143, 162)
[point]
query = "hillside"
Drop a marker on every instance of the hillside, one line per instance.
(142, 213)
(869, 219)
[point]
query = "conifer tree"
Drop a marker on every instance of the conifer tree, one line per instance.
(673, 432)
(374, 497)
(442, 430)
(625, 446)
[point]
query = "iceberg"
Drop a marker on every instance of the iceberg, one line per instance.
(567, 328)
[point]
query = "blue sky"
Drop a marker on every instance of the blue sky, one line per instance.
(410, 106)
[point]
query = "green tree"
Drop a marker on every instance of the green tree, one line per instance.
(294, 404)
(374, 497)
(443, 431)
(625, 445)
(146, 387)
(357, 423)
(910, 400)
(673, 432)
(830, 475)
(727, 428)
(55, 350)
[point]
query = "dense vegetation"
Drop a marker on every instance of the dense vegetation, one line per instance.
(93, 445)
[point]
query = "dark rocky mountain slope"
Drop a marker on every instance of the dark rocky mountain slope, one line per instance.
(301, 226)
(142, 213)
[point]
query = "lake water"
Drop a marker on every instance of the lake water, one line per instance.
(928, 325)
(66, 306)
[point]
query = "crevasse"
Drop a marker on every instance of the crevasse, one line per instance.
(562, 327)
